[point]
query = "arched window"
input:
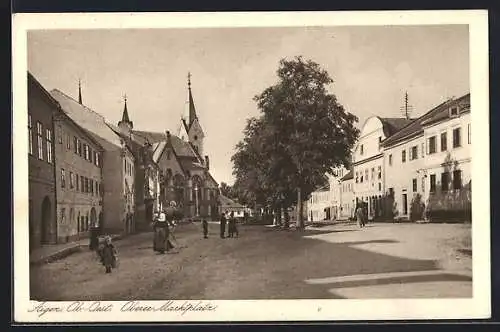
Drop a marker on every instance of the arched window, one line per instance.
(179, 184)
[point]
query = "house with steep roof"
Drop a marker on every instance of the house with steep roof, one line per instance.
(184, 172)
(118, 180)
(368, 161)
(414, 155)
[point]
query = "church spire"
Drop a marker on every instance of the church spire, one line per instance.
(80, 92)
(125, 122)
(125, 117)
(192, 110)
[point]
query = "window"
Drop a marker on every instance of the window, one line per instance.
(356, 177)
(432, 183)
(63, 178)
(379, 139)
(75, 145)
(414, 152)
(403, 156)
(457, 179)
(48, 135)
(373, 173)
(97, 157)
(432, 144)
(423, 150)
(468, 134)
(91, 182)
(61, 136)
(71, 180)
(361, 151)
(87, 185)
(30, 135)
(414, 183)
(86, 151)
(380, 172)
(80, 148)
(77, 182)
(39, 130)
(82, 184)
(444, 145)
(90, 154)
(361, 177)
(445, 180)
(68, 141)
(423, 185)
(454, 111)
(379, 186)
(456, 138)
(390, 160)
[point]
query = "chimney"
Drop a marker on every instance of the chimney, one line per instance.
(168, 137)
(207, 163)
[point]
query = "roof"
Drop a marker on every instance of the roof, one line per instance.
(158, 148)
(91, 121)
(348, 176)
(392, 125)
(416, 126)
(226, 202)
(443, 113)
(149, 136)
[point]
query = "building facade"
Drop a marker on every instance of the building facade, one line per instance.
(347, 199)
(369, 175)
(41, 168)
(118, 184)
(447, 166)
(318, 206)
(79, 179)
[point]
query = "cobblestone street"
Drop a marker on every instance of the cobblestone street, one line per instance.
(380, 261)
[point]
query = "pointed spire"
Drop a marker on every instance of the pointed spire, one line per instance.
(125, 117)
(80, 92)
(192, 110)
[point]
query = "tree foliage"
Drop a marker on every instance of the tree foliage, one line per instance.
(302, 133)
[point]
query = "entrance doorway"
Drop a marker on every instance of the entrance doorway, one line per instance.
(46, 220)
(405, 204)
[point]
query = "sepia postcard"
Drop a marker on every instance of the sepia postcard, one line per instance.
(251, 167)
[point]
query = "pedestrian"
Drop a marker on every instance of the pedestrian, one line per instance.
(160, 233)
(205, 229)
(108, 254)
(360, 216)
(222, 225)
(170, 227)
(234, 222)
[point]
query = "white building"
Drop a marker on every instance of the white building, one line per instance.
(347, 199)
(318, 206)
(369, 175)
(447, 166)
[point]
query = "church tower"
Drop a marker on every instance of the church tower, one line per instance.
(191, 130)
(125, 124)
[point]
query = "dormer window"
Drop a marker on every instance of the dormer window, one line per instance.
(195, 137)
(454, 111)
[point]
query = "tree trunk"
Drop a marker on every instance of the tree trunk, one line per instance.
(300, 210)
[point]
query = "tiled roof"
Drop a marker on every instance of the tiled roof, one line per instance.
(158, 149)
(182, 148)
(226, 202)
(348, 176)
(151, 137)
(443, 113)
(91, 121)
(416, 126)
(392, 125)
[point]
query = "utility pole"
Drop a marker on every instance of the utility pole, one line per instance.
(406, 109)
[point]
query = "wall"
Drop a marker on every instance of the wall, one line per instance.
(369, 162)
(41, 172)
(113, 200)
(451, 159)
(72, 200)
(347, 200)
(400, 175)
(319, 201)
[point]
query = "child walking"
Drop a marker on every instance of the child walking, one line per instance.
(108, 254)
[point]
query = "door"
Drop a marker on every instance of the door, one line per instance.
(405, 204)
(46, 220)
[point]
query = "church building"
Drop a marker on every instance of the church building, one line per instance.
(184, 169)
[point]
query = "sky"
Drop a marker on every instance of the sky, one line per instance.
(372, 67)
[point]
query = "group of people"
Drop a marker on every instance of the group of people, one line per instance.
(164, 226)
(230, 220)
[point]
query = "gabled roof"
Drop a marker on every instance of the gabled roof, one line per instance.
(91, 121)
(415, 127)
(444, 114)
(348, 176)
(150, 136)
(392, 125)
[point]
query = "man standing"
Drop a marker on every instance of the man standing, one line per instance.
(222, 225)
(205, 229)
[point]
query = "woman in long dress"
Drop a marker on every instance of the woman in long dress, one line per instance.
(160, 233)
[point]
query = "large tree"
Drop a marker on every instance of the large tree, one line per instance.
(303, 134)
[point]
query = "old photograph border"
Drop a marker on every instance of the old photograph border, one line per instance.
(479, 306)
